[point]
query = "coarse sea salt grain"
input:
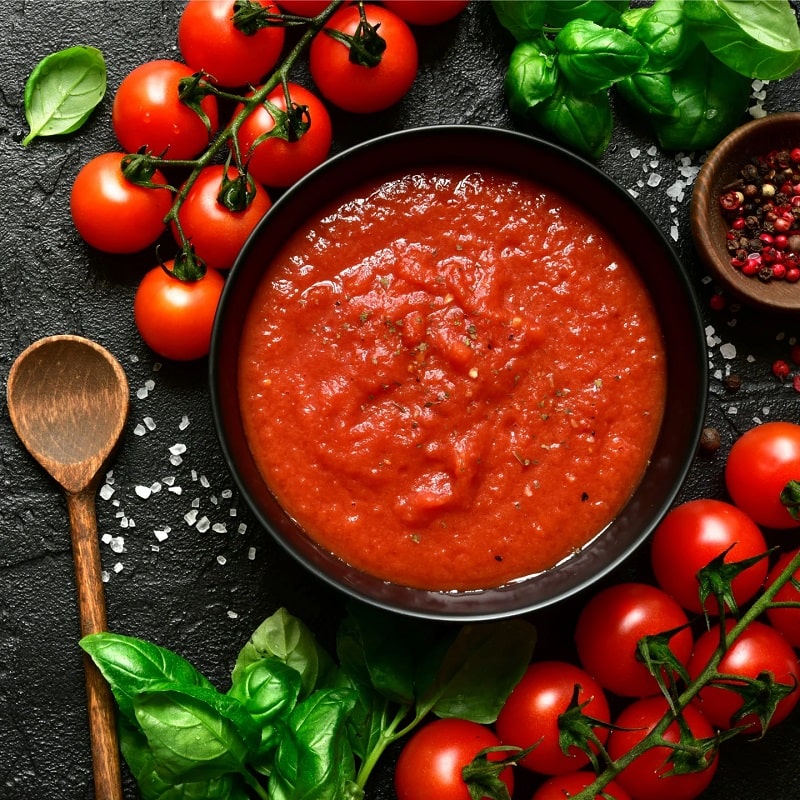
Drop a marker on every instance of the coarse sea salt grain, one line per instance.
(728, 350)
(191, 516)
(184, 423)
(251, 554)
(117, 544)
(106, 491)
(221, 560)
(219, 527)
(232, 615)
(143, 491)
(177, 449)
(203, 524)
(162, 533)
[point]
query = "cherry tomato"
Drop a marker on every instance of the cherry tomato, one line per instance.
(785, 620)
(760, 464)
(759, 648)
(692, 535)
(610, 626)
(147, 112)
(304, 8)
(561, 786)
(216, 232)
(175, 317)
(357, 88)
(113, 214)
(647, 778)
(430, 763)
(425, 12)
(530, 714)
(276, 161)
(209, 41)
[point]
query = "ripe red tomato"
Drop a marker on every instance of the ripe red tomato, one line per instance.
(431, 761)
(647, 778)
(425, 12)
(113, 214)
(175, 317)
(147, 112)
(209, 41)
(785, 620)
(759, 648)
(610, 626)
(760, 464)
(216, 232)
(692, 535)
(561, 786)
(276, 161)
(357, 88)
(304, 8)
(530, 714)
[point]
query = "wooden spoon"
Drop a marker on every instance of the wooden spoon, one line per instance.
(68, 401)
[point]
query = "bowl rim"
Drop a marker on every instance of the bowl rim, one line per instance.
(707, 223)
(463, 606)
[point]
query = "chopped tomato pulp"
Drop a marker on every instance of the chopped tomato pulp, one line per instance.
(452, 379)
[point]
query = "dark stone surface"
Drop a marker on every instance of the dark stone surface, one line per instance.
(201, 593)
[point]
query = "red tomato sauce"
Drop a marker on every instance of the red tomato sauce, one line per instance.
(452, 379)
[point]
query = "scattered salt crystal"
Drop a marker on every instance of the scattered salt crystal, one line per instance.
(175, 490)
(226, 494)
(196, 502)
(251, 554)
(219, 527)
(149, 384)
(106, 491)
(149, 423)
(162, 533)
(214, 500)
(750, 359)
(143, 491)
(119, 514)
(176, 461)
(733, 411)
(134, 359)
(118, 567)
(125, 522)
(221, 560)
(233, 615)
(105, 538)
(654, 179)
(652, 150)
(242, 528)
(757, 112)
(141, 393)
(184, 423)
(203, 524)
(104, 576)
(633, 193)
(765, 411)
(232, 511)
(204, 481)
(728, 350)
(168, 480)
(140, 430)
(117, 544)
(191, 517)
(177, 449)
(635, 152)
(673, 232)
(115, 503)
(155, 548)
(194, 474)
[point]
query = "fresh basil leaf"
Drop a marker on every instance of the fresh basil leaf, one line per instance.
(286, 638)
(630, 17)
(131, 666)
(583, 122)
(650, 94)
(370, 718)
(523, 18)
(593, 58)
(757, 39)
(531, 75)
(314, 759)
(191, 740)
(602, 12)
(711, 100)
(481, 667)
(151, 786)
(63, 90)
(266, 689)
(663, 32)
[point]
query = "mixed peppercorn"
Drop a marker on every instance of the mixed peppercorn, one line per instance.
(763, 209)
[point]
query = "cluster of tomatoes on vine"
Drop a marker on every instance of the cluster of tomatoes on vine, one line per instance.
(644, 651)
(179, 168)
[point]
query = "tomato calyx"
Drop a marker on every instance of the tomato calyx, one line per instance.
(249, 17)
(139, 168)
(186, 266)
(690, 754)
(238, 192)
(790, 498)
(577, 730)
(365, 44)
(716, 577)
(482, 774)
(192, 91)
(654, 651)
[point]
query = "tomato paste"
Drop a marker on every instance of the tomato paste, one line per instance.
(452, 379)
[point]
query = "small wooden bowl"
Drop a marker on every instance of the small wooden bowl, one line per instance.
(709, 227)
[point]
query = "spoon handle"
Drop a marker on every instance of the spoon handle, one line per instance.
(92, 610)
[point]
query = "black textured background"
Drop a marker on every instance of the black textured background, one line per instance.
(199, 592)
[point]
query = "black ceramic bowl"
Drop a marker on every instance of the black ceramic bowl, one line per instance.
(583, 184)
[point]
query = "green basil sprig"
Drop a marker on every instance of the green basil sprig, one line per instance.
(63, 90)
(297, 723)
(686, 65)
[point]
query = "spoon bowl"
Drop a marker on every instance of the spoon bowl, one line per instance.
(68, 401)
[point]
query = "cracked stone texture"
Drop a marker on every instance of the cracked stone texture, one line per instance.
(201, 589)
